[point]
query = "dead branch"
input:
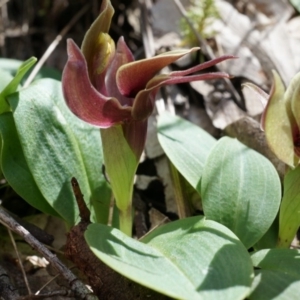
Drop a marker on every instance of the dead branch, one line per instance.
(80, 290)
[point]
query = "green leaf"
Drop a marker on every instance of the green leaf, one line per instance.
(296, 4)
(14, 83)
(188, 259)
(58, 146)
(186, 145)
(291, 98)
(276, 122)
(270, 238)
(240, 189)
(6, 77)
(12, 65)
(15, 168)
(277, 275)
(289, 215)
(186, 197)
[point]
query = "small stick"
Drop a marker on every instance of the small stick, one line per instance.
(53, 294)
(54, 44)
(47, 283)
(84, 212)
(80, 290)
(20, 262)
(147, 33)
(208, 51)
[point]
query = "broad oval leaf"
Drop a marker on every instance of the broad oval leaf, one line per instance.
(277, 274)
(270, 238)
(186, 145)
(58, 146)
(187, 259)
(240, 189)
(15, 168)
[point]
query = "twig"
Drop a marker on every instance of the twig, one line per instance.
(20, 261)
(147, 33)
(206, 49)
(80, 290)
(47, 283)
(148, 43)
(54, 250)
(54, 44)
(84, 212)
(37, 232)
(64, 293)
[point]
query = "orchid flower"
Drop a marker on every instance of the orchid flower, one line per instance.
(281, 123)
(104, 86)
(281, 118)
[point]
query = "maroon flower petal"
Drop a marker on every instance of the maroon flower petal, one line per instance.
(135, 133)
(122, 56)
(83, 99)
(133, 77)
(202, 66)
(144, 102)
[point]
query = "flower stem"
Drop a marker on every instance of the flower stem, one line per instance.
(125, 221)
(120, 164)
